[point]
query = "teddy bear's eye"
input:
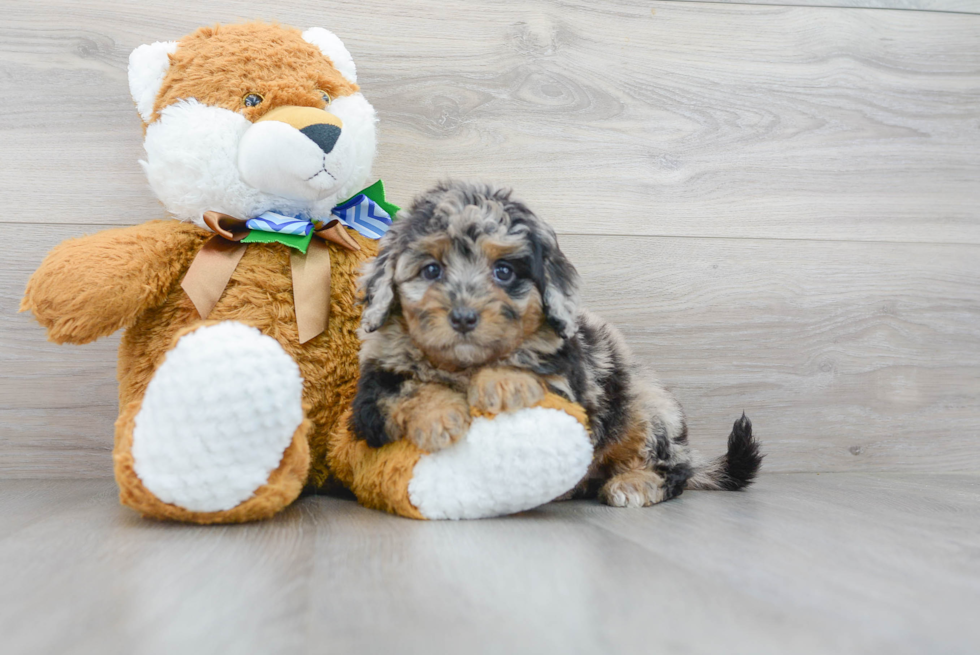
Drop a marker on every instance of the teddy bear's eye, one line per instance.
(251, 99)
(325, 96)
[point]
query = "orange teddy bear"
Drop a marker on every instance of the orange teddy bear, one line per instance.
(240, 353)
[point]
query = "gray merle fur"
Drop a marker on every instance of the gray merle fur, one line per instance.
(637, 427)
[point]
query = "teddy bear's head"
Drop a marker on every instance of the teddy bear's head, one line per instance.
(245, 119)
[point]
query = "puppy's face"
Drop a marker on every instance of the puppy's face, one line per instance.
(472, 274)
(466, 294)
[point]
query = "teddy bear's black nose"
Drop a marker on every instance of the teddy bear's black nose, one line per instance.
(323, 135)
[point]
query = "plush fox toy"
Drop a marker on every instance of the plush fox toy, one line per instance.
(240, 352)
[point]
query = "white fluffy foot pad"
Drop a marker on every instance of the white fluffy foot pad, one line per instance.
(514, 462)
(217, 417)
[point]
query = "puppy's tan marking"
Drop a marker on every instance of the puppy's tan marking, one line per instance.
(532, 320)
(504, 390)
(502, 320)
(626, 453)
(432, 417)
(494, 250)
(435, 245)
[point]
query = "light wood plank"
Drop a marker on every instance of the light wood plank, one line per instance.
(59, 402)
(56, 442)
(692, 119)
(842, 563)
(845, 355)
(954, 6)
(888, 557)
(93, 577)
(545, 582)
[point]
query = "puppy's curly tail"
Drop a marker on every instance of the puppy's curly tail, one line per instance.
(735, 469)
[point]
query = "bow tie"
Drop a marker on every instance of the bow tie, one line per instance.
(367, 213)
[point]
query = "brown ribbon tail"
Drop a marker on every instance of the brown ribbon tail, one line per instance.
(231, 228)
(210, 272)
(336, 233)
(311, 289)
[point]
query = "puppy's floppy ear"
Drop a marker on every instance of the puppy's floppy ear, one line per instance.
(377, 288)
(556, 279)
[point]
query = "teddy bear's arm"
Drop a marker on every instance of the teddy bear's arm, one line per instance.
(90, 287)
(506, 463)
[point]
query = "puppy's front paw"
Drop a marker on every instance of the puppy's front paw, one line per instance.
(633, 489)
(433, 418)
(498, 390)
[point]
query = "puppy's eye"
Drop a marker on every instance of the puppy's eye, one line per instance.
(251, 100)
(431, 271)
(325, 96)
(503, 272)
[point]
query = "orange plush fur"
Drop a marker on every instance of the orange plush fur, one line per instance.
(379, 477)
(220, 65)
(129, 278)
(144, 264)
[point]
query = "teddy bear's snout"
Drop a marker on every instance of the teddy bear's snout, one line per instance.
(295, 152)
(319, 125)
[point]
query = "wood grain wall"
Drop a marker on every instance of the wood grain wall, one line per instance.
(780, 205)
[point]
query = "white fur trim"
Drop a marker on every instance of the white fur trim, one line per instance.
(331, 46)
(359, 139)
(515, 462)
(192, 158)
(217, 417)
(279, 159)
(148, 65)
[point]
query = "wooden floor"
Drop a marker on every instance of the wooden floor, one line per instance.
(802, 563)
(778, 201)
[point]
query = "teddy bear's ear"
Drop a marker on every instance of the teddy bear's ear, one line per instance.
(331, 46)
(148, 65)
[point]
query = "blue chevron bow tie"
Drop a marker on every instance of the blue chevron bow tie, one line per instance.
(360, 213)
(367, 212)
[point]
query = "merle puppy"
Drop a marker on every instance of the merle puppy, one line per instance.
(470, 303)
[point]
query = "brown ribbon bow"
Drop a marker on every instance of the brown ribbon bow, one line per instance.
(216, 261)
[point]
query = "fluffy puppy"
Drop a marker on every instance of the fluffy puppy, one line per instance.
(470, 303)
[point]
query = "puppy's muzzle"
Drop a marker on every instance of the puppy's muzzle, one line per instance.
(464, 319)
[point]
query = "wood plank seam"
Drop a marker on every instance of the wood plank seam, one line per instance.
(815, 5)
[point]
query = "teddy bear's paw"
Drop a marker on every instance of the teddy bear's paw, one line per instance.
(511, 463)
(217, 417)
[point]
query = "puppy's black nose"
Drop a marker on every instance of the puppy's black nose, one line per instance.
(323, 135)
(463, 319)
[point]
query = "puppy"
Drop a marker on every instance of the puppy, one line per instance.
(470, 303)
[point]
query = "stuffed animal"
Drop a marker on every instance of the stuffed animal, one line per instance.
(240, 353)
